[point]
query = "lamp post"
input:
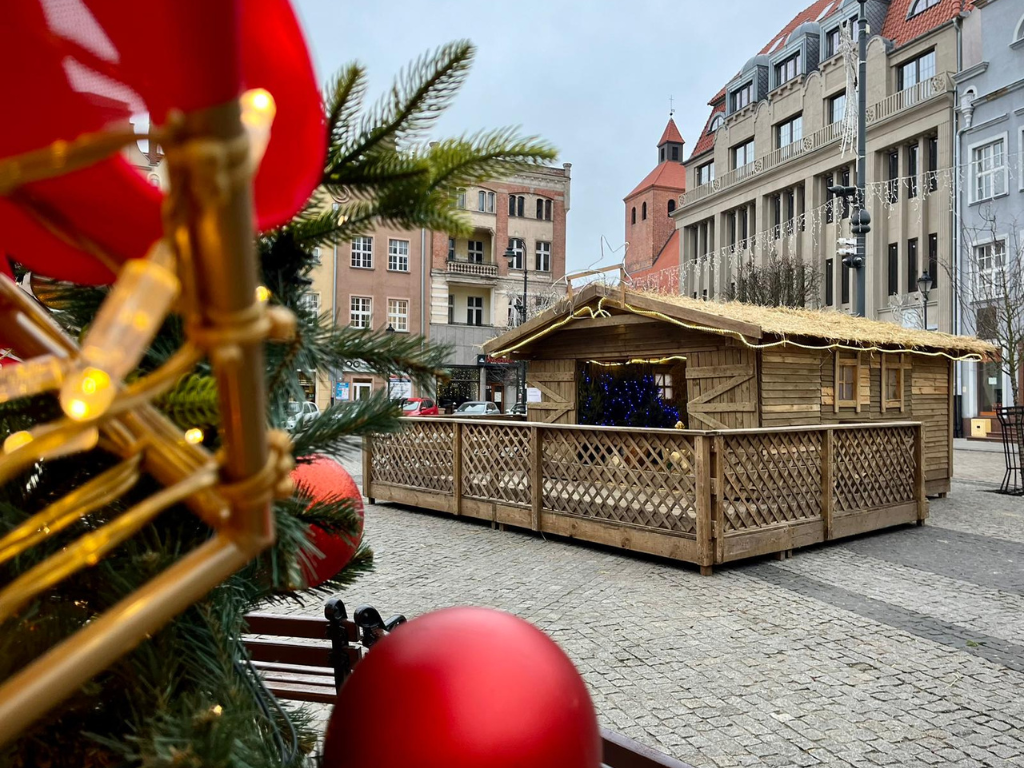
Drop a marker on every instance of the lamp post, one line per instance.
(924, 286)
(510, 254)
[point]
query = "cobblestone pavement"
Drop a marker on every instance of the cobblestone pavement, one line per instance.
(898, 648)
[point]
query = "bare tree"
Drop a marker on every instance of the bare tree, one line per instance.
(989, 288)
(781, 281)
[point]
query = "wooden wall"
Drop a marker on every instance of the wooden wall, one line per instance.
(791, 386)
(930, 398)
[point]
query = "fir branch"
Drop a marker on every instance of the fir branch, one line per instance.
(333, 431)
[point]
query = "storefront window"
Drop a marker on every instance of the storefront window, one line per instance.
(990, 388)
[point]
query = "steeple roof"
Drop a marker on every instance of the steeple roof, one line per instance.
(671, 134)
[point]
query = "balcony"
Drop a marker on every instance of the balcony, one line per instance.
(831, 134)
(472, 269)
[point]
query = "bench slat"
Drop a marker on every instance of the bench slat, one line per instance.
(294, 626)
(311, 693)
(306, 654)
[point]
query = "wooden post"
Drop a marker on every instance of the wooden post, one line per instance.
(919, 491)
(368, 469)
(536, 476)
(457, 468)
(827, 480)
(719, 508)
(703, 469)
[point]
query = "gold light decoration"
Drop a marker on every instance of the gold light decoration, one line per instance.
(205, 269)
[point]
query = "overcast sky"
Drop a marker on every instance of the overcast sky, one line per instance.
(593, 77)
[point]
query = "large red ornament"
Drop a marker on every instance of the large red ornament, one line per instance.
(326, 479)
(464, 688)
(83, 66)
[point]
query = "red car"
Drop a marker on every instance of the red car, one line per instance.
(419, 406)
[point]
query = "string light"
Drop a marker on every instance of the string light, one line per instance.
(262, 294)
(258, 111)
(87, 394)
(194, 436)
(637, 361)
(15, 440)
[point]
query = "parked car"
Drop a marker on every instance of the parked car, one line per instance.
(300, 413)
(518, 409)
(419, 406)
(477, 408)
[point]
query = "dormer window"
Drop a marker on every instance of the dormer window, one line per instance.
(742, 97)
(922, 5)
(716, 123)
(788, 69)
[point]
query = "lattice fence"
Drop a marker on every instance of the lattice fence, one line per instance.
(420, 456)
(771, 478)
(873, 468)
(625, 477)
(496, 463)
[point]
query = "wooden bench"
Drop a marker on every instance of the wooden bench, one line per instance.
(305, 658)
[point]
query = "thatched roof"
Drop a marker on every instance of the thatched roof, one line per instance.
(750, 321)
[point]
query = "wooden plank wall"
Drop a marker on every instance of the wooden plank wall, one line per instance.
(930, 406)
(613, 342)
(729, 376)
(791, 386)
(556, 380)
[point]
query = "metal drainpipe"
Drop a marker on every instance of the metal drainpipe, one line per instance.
(423, 284)
(957, 315)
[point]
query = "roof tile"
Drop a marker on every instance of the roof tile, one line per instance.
(667, 175)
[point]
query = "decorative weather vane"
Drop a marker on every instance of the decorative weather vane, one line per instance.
(671, 107)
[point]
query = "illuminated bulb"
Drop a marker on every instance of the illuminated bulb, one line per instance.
(262, 294)
(15, 440)
(194, 436)
(258, 110)
(87, 394)
(217, 710)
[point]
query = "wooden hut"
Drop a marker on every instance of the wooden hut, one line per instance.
(736, 366)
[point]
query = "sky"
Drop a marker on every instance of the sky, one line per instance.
(593, 77)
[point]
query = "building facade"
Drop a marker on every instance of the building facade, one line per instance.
(652, 253)
(783, 131)
(990, 90)
(474, 293)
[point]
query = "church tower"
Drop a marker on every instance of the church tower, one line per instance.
(650, 228)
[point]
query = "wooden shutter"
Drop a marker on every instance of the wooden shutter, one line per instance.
(721, 389)
(556, 380)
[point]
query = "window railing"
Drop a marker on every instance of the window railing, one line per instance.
(472, 268)
(830, 134)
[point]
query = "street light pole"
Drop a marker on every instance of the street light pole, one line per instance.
(924, 287)
(510, 254)
(862, 109)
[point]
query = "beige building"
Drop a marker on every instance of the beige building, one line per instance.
(757, 180)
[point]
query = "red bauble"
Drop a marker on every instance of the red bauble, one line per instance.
(326, 479)
(464, 688)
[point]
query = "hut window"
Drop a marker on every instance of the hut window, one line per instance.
(664, 383)
(847, 381)
(892, 382)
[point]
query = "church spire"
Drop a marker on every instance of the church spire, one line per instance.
(670, 146)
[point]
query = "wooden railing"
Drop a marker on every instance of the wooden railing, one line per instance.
(887, 107)
(703, 497)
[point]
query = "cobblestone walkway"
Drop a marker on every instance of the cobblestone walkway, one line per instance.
(899, 648)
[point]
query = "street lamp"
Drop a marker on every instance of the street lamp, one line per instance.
(924, 285)
(511, 255)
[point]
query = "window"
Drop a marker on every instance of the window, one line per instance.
(988, 170)
(451, 309)
(844, 287)
(475, 251)
(912, 171)
(543, 260)
(844, 179)
(921, 5)
(661, 155)
(675, 153)
(830, 213)
(893, 183)
(398, 255)
(663, 381)
(892, 382)
(362, 253)
(716, 122)
(362, 389)
(837, 107)
(316, 255)
(516, 205)
(743, 154)
(787, 70)
(544, 209)
(485, 201)
(776, 204)
(912, 272)
(742, 97)
(933, 259)
(361, 314)
(518, 247)
(990, 261)
(893, 281)
(643, 212)
(916, 71)
(789, 132)
(460, 199)
(706, 173)
(632, 218)
(847, 380)
(832, 40)
(310, 302)
(451, 249)
(933, 163)
(398, 314)
(830, 279)
(475, 310)
(671, 207)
